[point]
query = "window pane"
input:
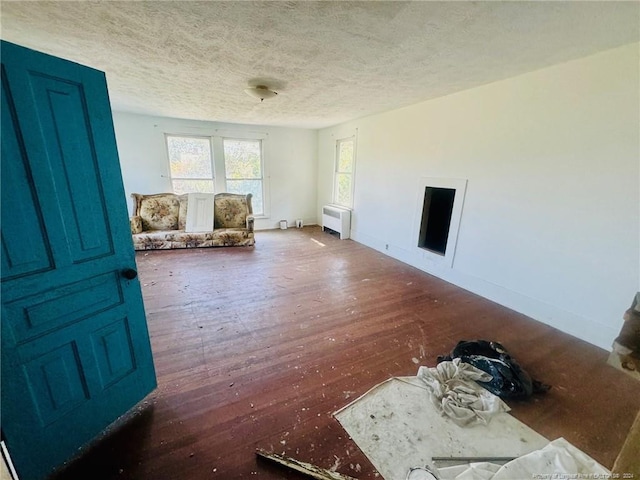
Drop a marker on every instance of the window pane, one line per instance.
(189, 157)
(343, 189)
(248, 186)
(192, 186)
(242, 159)
(345, 156)
(243, 170)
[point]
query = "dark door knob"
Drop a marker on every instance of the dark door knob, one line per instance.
(129, 273)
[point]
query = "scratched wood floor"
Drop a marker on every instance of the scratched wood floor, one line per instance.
(256, 347)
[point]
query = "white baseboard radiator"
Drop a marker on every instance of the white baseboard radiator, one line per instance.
(337, 219)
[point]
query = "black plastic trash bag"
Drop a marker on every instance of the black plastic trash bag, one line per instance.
(509, 379)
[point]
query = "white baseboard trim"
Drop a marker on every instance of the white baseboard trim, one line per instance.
(578, 326)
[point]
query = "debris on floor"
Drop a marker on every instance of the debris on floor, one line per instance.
(421, 473)
(402, 433)
(508, 378)
(625, 354)
(303, 467)
(558, 459)
(453, 391)
(396, 426)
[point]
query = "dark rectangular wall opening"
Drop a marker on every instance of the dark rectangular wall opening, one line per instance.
(436, 219)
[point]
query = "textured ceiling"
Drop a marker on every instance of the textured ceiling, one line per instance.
(329, 61)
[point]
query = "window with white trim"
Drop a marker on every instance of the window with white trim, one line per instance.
(244, 169)
(343, 174)
(190, 164)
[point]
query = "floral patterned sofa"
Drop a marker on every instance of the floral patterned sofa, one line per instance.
(159, 221)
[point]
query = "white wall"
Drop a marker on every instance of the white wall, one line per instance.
(550, 223)
(290, 157)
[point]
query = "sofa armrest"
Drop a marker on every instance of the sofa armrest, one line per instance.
(135, 223)
(250, 222)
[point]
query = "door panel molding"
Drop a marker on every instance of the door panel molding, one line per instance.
(25, 247)
(71, 163)
(49, 310)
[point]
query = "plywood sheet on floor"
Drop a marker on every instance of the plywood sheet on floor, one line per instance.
(397, 427)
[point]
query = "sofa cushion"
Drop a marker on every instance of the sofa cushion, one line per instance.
(231, 210)
(159, 212)
(224, 237)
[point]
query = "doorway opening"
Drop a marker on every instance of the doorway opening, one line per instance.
(437, 209)
(438, 212)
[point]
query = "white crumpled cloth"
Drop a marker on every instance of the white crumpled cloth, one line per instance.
(559, 459)
(455, 393)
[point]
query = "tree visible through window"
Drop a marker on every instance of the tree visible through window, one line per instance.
(190, 164)
(343, 175)
(243, 170)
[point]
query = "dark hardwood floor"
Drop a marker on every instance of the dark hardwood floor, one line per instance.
(257, 347)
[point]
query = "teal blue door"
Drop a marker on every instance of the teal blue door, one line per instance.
(75, 346)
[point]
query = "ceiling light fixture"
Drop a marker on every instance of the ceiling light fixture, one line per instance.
(261, 92)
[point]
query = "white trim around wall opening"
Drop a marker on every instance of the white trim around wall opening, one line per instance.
(441, 251)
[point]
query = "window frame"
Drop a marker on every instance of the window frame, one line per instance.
(211, 159)
(216, 136)
(336, 171)
(262, 168)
